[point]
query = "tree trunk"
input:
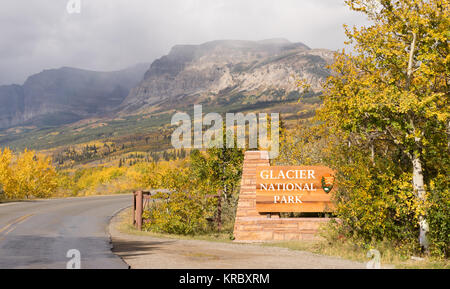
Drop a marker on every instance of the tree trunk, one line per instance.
(409, 72)
(418, 183)
(372, 152)
(219, 213)
(419, 190)
(448, 135)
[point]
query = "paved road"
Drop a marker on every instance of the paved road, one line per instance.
(38, 234)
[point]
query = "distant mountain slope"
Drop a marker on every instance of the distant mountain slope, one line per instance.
(218, 74)
(12, 105)
(59, 96)
(226, 71)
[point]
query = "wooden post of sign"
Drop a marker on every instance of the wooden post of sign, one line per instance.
(251, 225)
(138, 205)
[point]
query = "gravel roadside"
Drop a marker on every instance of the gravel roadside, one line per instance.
(148, 252)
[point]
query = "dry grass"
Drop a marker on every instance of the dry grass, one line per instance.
(389, 257)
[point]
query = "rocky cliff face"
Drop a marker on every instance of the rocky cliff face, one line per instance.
(216, 73)
(64, 95)
(12, 105)
(225, 71)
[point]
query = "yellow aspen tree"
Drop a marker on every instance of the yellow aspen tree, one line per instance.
(34, 176)
(393, 90)
(5, 171)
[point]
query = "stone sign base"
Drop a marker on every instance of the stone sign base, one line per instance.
(252, 226)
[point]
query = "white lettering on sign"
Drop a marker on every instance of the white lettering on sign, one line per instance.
(287, 200)
(289, 174)
(294, 189)
(288, 187)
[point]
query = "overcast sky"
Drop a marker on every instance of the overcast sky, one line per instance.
(114, 34)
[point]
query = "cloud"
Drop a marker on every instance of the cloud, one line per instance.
(110, 35)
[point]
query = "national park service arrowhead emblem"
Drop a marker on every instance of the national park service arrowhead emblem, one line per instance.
(327, 183)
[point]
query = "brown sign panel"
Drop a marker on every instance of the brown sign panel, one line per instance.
(294, 189)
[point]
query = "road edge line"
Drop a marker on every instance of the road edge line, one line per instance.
(108, 228)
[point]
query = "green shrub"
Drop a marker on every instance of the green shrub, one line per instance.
(177, 213)
(438, 215)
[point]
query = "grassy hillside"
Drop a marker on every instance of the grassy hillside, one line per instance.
(109, 138)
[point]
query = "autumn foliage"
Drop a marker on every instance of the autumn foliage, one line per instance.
(27, 175)
(203, 193)
(384, 126)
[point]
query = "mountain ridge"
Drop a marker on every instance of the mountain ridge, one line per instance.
(66, 94)
(215, 72)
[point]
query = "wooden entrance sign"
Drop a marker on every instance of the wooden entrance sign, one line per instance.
(294, 189)
(257, 214)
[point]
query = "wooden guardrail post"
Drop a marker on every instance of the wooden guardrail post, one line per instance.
(138, 209)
